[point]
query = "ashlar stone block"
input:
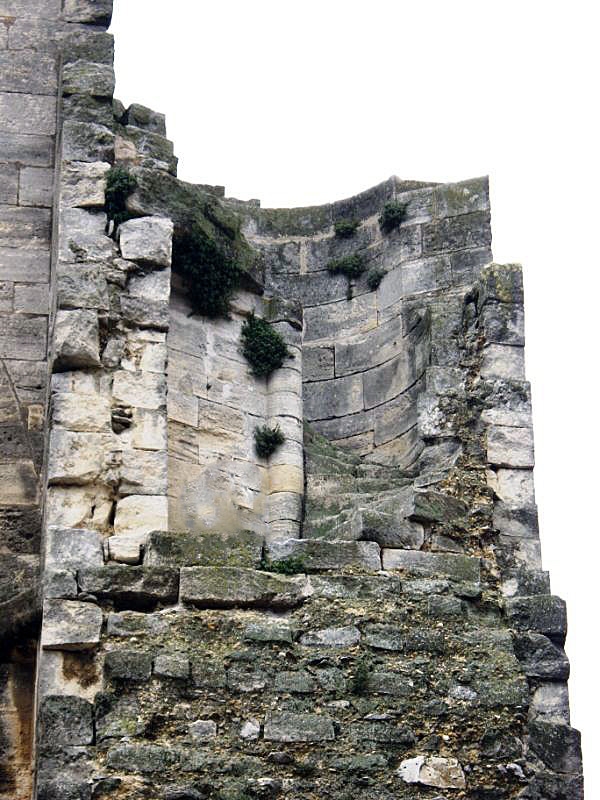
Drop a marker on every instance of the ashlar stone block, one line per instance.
(70, 625)
(147, 240)
(76, 340)
(288, 727)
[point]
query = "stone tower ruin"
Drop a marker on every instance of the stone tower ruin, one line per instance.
(362, 611)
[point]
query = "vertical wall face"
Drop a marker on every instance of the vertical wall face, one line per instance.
(217, 482)
(364, 611)
(28, 88)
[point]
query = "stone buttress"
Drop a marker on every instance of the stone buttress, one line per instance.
(365, 610)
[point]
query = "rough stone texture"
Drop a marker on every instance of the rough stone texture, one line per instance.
(254, 646)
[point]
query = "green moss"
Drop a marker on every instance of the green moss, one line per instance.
(267, 440)
(392, 214)
(284, 566)
(263, 346)
(351, 266)
(345, 228)
(374, 277)
(210, 274)
(119, 185)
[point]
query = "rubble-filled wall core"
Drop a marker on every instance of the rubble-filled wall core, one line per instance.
(365, 609)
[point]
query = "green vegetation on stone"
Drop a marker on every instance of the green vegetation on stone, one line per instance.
(211, 276)
(374, 277)
(392, 215)
(119, 185)
(267, 440)
(345, 228)
(263, 346)
(293, 565)
(351, 266)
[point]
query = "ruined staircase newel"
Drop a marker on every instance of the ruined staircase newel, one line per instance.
(362, 609)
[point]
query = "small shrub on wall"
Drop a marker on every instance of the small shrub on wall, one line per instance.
(267, 440)
(351, 266)
(263, 346)
(392, 215)
(119, 185)
(210, 275)
(374, 278)
(345, 228)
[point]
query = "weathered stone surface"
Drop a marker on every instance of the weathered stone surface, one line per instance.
(147, 240)
(550, 702)
(332, 637)
(65, 720)
(70, 625)
(187, 549)
(27, 113)
(86, 77)
(90, 413)
(143, 472)
(147, 302)
(128, 665)
(72, 548)
(203, 729)
(541, 658)
(172, 666)
(142, 758)
(143, 117)
(269, 631)
(455, 567)
(83, 184)
(319, 555)
(510, 447)
(136, 586)
(288, 727)
(137, 515)
(542, 614)
(23, 337)
(78, 458)
(558, 745)
(227, 587)
(443, 773)
(76, 340)
(139, 389)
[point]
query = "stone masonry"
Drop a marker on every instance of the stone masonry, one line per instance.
(363, 611)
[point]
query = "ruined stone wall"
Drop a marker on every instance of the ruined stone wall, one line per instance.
(365, 610)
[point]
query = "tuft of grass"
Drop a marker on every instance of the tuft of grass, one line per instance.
(267, 440)
(263, 346)
(351, 266)
(374, 277)
(360, 677)
(392, 214)
(119, 185)
(293, 565)
(345, 228)
(211, 276)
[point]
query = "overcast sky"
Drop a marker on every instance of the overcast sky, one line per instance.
(298, 103)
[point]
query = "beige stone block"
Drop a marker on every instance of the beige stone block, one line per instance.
(83, 184)
(57, 676)
(79, 458)
(76, 413)
(149, 430)
(19, 483)
(286, 478)
(125, 549)
(70, 625)
(79, 506)
(137, 515)
(286, 404)
(183, 408)
(139, 389)
(36, 186)
(143, 472)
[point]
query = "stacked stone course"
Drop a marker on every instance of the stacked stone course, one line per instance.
(365, 610)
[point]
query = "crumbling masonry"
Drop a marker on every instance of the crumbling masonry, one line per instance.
(363, 612)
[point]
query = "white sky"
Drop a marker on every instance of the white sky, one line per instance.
(299, 103)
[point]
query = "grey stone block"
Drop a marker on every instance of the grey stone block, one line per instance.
(558, 745)
(78, 458)
(415, 562)
(147, 302)
(550, 702)
(187, 548)
(510, 446)
(29, 149)
(172, 666)
(335, 398)
(9, 184)
(23, 337)
(203, 729)
(65, 720)
(95, 12)
(464, 197)
(504, 323)
(128, 665)
(131, 585)
(86, 45)
(442, 773)
(72, 548)
(317, 363)
(298, 682)
(32, 299)
(143, 117)
(320, 555)
(347, 636)
(141, 758)
(76, 340)
(384, 637)
(59, 584)
(541, 658)
(147, 240)
(83, 184)
(457, 233)
(28, 72)
(25, 227)
(288, 727)
(501, 283)
(83, 238)
(27, 113)
(545, 614)
(228, 587)
(85, 77)
(502, 361)
(31, 266)
(387, 381)
(426, 275)
(70, 625)
(143, 472)
(269, 631)
(467, 264)
(87, 141)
